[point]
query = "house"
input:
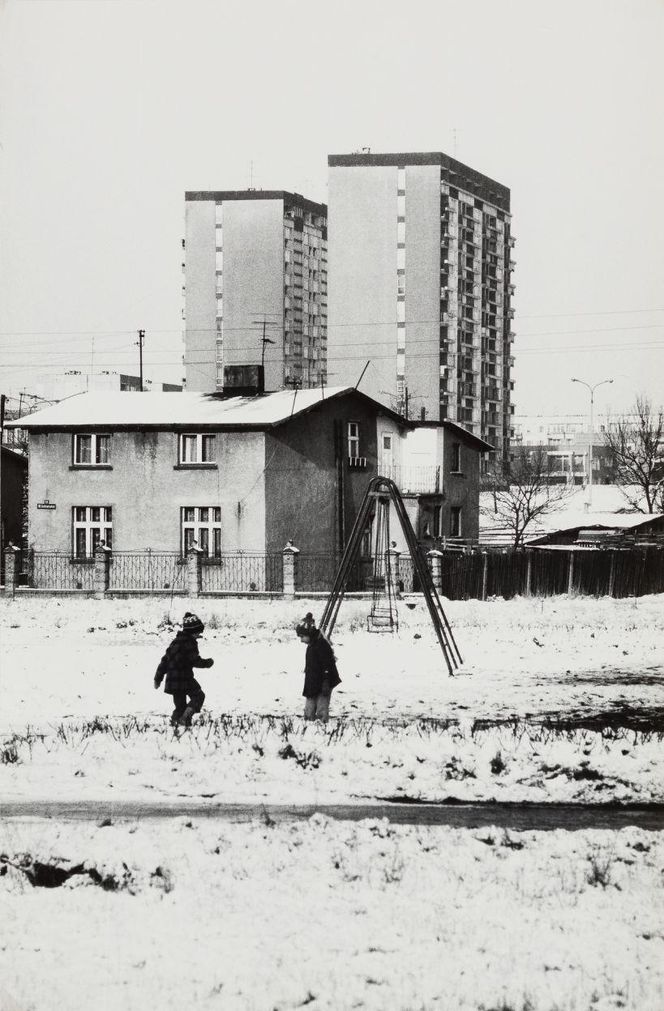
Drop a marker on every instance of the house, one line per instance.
(620, 530)
(14, 480)
(165, 472)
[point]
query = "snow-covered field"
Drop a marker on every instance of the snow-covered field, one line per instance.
(560, 699)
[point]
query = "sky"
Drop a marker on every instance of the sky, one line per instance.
(111, 109)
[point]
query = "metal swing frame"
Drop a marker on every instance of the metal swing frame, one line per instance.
(382, 490)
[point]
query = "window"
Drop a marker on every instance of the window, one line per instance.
(201, 528)
(92, 450)
(92, 525)
(353, 439)
(197, 449)
(455, 521)
(456, 458)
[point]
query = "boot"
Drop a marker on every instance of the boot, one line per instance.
(185, 719)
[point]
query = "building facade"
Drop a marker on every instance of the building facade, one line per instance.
(420, 267)
(566, 441)
(255, 267)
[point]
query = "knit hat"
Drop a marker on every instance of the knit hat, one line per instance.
(192, 623)
(307, 626)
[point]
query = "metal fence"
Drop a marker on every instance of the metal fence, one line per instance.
(243, 572)
(55, 570)
(147, 570)
(316, 573)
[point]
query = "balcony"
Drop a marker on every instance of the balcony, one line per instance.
(414, 480)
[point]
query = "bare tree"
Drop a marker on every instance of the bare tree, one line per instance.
(524, 492)
(636, 443)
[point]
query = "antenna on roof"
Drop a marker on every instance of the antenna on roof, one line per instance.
(362, 373)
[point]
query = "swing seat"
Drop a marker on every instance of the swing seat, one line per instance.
(381, 619)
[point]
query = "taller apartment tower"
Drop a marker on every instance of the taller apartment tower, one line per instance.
(420, 268)
(255, 267)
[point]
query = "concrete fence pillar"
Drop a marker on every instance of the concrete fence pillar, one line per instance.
(485, 573)
(435, 563)
(194, 572)
(395, 569)
(529, 573)
(11, 569)
(290, 555)
(102, 573)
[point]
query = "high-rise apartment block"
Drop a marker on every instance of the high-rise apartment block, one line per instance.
(255, 287)
(420, 256)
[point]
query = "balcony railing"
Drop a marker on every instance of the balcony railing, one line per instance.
(414, 480)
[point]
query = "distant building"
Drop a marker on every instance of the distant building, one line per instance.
(73, 382)
(255, 266)
(566, 442)
(420, 265)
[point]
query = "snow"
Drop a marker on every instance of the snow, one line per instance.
(197, 913)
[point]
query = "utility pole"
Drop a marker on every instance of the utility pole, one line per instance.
(264, 323)
(2, 435)
(141, 338)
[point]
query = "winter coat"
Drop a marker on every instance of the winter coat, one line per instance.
(319, 666)
(177, 662)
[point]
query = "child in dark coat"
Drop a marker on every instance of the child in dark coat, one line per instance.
(320, 671)
(177, 666)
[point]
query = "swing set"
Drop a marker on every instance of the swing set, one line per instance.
(383, 616)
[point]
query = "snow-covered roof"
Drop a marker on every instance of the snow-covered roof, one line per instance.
(130, 409)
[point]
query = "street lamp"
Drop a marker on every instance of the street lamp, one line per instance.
(590, 441)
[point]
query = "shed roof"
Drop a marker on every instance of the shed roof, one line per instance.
(172, 410)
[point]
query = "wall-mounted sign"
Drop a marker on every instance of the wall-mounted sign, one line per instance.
(46, 505)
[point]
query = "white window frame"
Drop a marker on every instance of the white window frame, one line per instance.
(192, 451)
(96, 525)
(353, 438)
(455, 527)
(97, 447)
(200, 526)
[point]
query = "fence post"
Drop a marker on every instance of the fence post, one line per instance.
(102, 572)
(529, 573)
(570, 574)
(290, 554)
(612, 574)
(435, 560)
(485, 572)
(194, 572)
(395, 572)
(11, 557)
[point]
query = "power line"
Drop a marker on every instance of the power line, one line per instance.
(339, 326)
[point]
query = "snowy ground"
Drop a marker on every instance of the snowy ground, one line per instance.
(331, 915)
(561, 699)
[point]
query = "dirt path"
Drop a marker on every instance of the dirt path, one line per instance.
(516, 817)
